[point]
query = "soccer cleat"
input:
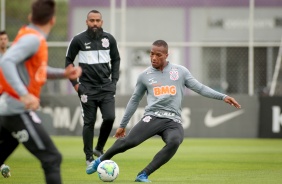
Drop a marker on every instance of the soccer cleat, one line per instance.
(92, 167)
(5, 171)
(98, 153)
(142, 178)
(88, 162)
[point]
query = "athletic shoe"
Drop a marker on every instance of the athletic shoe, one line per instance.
(92, 167)
(5, 171)
(88, 162)
(142, 178)
(98, 153)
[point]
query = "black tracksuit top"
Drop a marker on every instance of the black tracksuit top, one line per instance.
(99, 60)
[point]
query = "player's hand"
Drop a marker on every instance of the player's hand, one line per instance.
(120, 133)
(232, 102)
(72, 72)
(30, 101)
(76, 87)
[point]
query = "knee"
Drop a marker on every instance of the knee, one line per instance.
(59, 158)
(56, 158)
(89, 122)
(109, 119)
(53, 162)
(175, 142)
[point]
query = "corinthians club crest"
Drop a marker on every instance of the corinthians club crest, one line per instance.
(105, 42)
(174, 75)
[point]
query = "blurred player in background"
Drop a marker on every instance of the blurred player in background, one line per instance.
(23, 71)
(164, 84)
(99, 58)
(4, 40)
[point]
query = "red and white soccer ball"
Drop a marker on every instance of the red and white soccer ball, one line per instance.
(108, 170)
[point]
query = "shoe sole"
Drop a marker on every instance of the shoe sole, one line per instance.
(146, 181)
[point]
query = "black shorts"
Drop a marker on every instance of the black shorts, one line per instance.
(26, 128)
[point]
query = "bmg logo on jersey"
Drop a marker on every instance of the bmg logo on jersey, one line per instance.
(164, 90)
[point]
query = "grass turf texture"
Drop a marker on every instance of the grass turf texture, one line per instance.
(209, 161)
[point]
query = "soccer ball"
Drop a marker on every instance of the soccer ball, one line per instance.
(108, 170)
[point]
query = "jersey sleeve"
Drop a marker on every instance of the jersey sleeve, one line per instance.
(196, 86)
(115, 59)
(72, 52)
(133, 103)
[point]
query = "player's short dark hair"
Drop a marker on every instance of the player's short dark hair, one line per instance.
(2, 32)
(42, 11)
(94, 11)
(160, 43)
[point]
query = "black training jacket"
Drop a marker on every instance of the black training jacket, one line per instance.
(99, 60)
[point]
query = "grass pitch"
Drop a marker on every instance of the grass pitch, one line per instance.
(200, 161)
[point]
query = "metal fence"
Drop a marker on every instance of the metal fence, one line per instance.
(231, 46)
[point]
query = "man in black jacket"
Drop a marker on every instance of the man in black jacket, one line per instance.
(99, 58)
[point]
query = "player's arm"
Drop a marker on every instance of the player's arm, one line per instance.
(193, 84)
(70, 72)
(72, 51)
(115, 60)
(55, 73)
(131, 107)
(12, 64)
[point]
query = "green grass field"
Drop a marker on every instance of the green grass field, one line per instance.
(212, 161)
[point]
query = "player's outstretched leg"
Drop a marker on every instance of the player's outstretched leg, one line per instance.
(5, 171)
(142, 177)
(92, 167)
